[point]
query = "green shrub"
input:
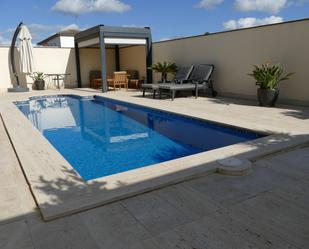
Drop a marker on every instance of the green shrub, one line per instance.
(268, 76)
(164, 68)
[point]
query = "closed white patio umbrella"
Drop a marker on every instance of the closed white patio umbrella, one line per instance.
(25, 49)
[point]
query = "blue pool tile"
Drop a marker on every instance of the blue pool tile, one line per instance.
(101, 137)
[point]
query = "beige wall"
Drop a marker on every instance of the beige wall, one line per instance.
(234, 53)
(90, 60)
(133, 57)
(5, 75)
(56, 60)
(48, 60)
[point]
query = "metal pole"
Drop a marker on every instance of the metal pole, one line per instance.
(149, 59)
(17, 87)
(12, 52)
(117, 58)
(77, 59)
(103, 62)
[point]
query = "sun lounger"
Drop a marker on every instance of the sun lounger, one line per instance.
(200, 79)
(181, 76)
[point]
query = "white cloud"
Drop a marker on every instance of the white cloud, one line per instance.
(270, 6)
(251, 22)
(133, 26)
(38, 31)
(71, 26)
(297, 3)
(170, 38)
(6, 36)
(51, 28)
(208, 4)
(78, 7)
(166, 38)
(41, 31)
(4, 41)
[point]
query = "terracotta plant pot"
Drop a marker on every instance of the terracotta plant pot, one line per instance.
(267, 97)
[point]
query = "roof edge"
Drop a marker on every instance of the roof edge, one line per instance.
(48, 39)
(58, 34)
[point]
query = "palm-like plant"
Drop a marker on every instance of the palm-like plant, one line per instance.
(268, 76)
(164, 68)
(38, 76)
(38, 80)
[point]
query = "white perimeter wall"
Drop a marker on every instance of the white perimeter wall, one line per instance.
(48, 60)
(133, 57)
(56, 60)
(234, 53)
(62, 60)
(90, 60)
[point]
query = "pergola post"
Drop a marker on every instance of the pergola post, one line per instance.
(77, 59)
(149, 59)
(103, 62)
(117, 58)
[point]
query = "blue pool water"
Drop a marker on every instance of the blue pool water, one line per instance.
(101, 137)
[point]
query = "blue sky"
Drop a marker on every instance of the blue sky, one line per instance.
(167, 18)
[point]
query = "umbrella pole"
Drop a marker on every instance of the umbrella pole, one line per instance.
(17, 88)
(13, 52)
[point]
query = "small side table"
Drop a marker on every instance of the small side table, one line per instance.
(58, 77)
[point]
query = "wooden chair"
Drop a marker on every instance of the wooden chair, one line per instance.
(133, 78)
(95, 79)
(120, 79)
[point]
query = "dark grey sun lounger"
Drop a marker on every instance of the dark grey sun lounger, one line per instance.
(181, 76)
(200, 79)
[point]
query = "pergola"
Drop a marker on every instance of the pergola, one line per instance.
(102, 36)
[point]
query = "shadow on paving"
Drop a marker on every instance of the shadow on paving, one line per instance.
(299, 114)
(164, 218)
(57, 190)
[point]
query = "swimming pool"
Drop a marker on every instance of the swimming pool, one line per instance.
(101, 137)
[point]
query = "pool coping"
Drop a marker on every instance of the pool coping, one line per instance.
(59, 190)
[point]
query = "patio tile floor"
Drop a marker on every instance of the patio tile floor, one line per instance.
(266, 209)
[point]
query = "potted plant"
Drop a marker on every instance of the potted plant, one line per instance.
(267, 77)
(38, 79)
(164, 68)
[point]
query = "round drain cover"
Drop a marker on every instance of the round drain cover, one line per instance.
(234, 166)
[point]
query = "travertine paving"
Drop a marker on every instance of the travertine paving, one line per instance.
(265, 209)
(241, 113)
(46, 169)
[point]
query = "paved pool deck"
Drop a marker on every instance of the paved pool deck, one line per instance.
(232, 111)
(266, 209)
